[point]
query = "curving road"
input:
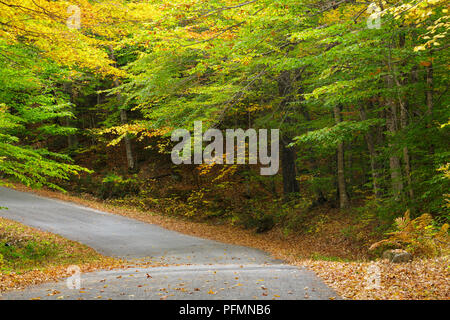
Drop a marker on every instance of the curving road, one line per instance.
(198, 268)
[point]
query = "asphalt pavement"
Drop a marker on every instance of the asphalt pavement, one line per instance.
(197, 268)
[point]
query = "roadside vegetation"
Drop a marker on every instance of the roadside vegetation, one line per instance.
(30, 256)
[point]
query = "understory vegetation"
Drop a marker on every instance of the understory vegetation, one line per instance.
(361, 102)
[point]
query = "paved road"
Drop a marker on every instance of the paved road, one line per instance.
(201, 269)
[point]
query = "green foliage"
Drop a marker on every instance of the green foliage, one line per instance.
(342, 132)
(114, 186)
(29, 106)
(324, 57)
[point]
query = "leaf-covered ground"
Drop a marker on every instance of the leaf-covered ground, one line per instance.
(420, 279)
(331, 255)
(29, 256)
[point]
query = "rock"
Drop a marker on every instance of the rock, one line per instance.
(388, 254)
(402, 257)
(397, 256)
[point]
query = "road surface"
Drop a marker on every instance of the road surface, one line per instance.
(198, 268)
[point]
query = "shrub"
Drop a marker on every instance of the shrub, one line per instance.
(114, 186)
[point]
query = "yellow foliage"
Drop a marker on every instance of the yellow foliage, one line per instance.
(418, 13)
(446, 170)
(137, 129)
(49, 26)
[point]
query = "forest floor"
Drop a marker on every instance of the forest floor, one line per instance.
(340, 261)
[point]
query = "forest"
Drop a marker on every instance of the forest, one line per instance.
(91, 91)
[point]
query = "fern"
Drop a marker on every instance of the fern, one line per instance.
(419, 236)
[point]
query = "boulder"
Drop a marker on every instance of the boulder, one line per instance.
(397, 256)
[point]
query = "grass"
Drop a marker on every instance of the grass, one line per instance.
(26, 254)
(23, 248)
(31, 256)
(319, 257)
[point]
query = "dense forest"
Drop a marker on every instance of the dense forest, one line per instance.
(90, 92)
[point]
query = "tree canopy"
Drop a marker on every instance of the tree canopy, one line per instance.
(358, 89)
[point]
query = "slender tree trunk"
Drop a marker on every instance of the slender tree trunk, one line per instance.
(124, 120)
(392, 124)
(429, 91)
(370, 140)
(343, 198)
(394, 161)
(314, 163)
(403, 124)
(289, 170)
(403, 117)
(72, 140)
(288, 154)
(429, 98)
(406, 158)
(127, 141)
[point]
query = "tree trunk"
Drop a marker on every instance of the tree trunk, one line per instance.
(429, 91)
(289, 170)
(403, 124)
(394, 161)
(124, 120)
(127, 141)
(403, 118)
(288, 155)
(406, 158)
(374, 166)
(72, 140)
(343, 198)
(429, 96)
